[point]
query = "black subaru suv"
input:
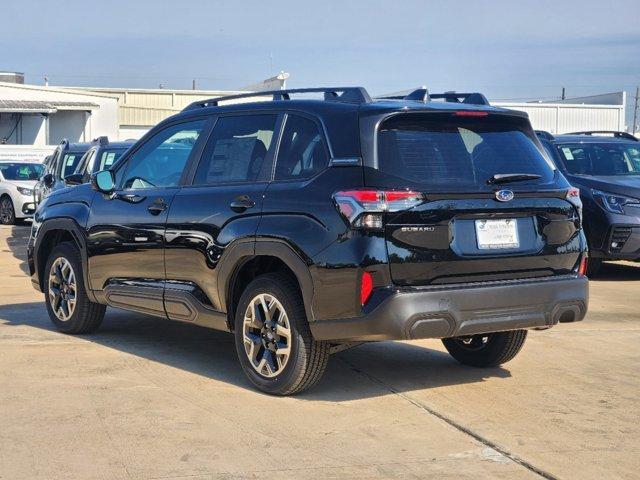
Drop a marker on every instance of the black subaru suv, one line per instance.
(305, 226)
(605, 166)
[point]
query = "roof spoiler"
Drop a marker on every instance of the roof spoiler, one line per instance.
(423, 95)
(473, 98)
(545, 135)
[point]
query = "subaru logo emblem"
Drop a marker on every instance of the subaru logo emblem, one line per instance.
(504, 195)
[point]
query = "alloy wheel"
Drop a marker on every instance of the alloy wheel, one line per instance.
(6, 211)
(267, 335)
(62, 289)
(474, 342)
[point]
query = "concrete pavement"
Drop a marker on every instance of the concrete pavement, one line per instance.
(146, 399)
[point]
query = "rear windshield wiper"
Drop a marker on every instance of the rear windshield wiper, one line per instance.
(512, 177)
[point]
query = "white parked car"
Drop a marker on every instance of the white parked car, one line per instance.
(17, 180)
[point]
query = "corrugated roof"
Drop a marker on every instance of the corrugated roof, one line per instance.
(41, 106)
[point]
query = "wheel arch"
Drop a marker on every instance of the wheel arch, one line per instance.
(53, 232)
(267, 256)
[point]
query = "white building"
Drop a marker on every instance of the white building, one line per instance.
(139, 109)
(33, 119)
(596, 112)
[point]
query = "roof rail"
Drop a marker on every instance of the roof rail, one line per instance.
(473, 98)
(544, 134)
(338, 94)
(615, 133)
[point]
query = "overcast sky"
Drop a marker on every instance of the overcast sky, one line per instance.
(507, 49)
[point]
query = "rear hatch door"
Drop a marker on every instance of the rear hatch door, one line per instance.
(493, 206)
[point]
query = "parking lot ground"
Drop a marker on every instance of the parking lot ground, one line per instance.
(150, 399)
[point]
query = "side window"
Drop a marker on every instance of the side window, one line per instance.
(70, 161)
(86, 160)
(53, 163)
(106, 159)
(302, 152)
(161, 160)
(237, 150)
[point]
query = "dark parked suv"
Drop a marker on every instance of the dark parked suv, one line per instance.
(605, 166)
(63, 162)
(101, 156)
(306, 226)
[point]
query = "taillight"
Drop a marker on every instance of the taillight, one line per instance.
(584, 263)
(573, 196)
(470, 113)
(364, 208)
(366, 287)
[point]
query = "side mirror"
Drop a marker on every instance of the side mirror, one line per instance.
(48, 180)
(74, 179)
(104, 182)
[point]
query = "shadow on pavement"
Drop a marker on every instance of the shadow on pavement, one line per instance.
(362, 372)
(368, 370)
(617, 272)
(17, 243)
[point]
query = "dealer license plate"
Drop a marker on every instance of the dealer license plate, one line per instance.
(495, 234)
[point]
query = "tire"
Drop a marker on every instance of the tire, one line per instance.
(7, 212)
(489, 350)
(307, 359)
(593, 267)
(84, 316)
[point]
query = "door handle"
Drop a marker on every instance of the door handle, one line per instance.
(130, 197)
(157, 207)
(242, 203)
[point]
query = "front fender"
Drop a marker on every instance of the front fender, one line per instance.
(69, 217)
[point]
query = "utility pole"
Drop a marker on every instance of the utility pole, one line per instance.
(193, 84)
(635, 112)
(563, 97)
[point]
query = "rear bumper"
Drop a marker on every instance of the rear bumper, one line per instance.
(464, 310)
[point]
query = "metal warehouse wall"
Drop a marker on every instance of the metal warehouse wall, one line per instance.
(564, 118)
(147, 107)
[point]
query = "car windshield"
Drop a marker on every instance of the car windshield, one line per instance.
(21, 171)
(606, 158)
(70, 161)
(442, 150)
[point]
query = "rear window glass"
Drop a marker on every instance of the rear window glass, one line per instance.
(443, 150)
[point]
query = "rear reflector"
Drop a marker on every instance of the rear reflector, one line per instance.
(584, 263)
(470, 113)
(366, 287)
